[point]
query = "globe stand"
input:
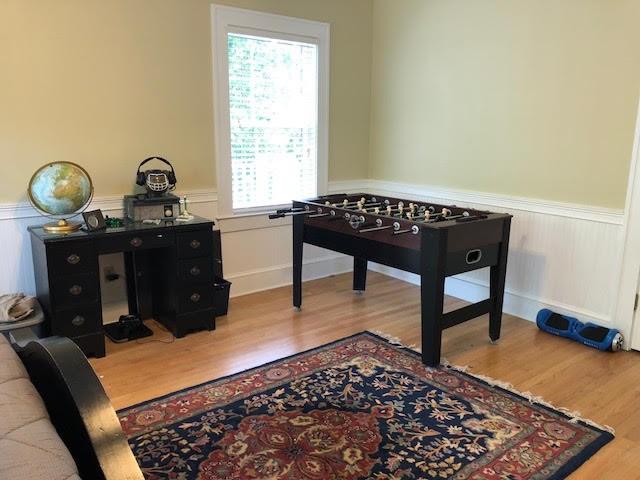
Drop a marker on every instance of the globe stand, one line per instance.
(61, 226)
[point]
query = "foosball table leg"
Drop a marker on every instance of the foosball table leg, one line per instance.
(497, 280)
(298, 243)
(359, 274)
(432, 277)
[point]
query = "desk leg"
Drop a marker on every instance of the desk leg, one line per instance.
(497, 279)
(139, 278)
(131, 279)
(359, 274)
(432, 277)
(298, 243)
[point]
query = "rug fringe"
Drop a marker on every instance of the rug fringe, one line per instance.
(395, 340)
(574, 415)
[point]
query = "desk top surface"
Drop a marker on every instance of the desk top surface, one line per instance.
(128, 227)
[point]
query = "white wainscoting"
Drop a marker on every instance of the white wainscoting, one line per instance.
(16, 265)
(562, 256)
(258, 257)
(256, 251)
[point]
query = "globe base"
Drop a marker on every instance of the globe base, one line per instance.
(61, 226)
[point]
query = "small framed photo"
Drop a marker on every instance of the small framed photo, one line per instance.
(94, 220)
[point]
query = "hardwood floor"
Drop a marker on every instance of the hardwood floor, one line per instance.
(262, 327)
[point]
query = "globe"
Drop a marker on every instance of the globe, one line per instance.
(60, 189)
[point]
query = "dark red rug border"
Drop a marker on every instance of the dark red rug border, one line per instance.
(575, 462)
(571, 466)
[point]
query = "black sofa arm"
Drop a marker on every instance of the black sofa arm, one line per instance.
(79, 408)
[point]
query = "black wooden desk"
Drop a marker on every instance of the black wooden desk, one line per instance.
(170, 271)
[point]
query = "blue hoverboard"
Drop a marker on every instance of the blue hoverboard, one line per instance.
(589, 334)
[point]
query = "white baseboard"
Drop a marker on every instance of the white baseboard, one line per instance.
(515, 303)
(252, 281)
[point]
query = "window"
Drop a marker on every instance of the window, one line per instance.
(271, 105)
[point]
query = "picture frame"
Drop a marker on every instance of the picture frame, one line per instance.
(94, 220)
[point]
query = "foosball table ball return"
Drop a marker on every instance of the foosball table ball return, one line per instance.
(431, 240)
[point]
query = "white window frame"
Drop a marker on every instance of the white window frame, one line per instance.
(225, 20)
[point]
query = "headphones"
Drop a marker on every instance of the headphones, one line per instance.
(141, 177)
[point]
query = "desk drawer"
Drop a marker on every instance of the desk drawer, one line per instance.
(198, 243)
(71, 258)
(75, 290)
(140, 241)
(74, 322)
(196, 270)
(196, 297)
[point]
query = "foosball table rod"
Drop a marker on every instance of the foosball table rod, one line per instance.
(374, 229)
(291, 209)
(290, 214)
(389, 210)
(414, 229)
(345, 203)
(445, 214)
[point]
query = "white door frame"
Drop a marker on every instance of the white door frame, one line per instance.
(630, 267)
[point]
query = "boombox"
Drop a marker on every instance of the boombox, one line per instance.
(141, 207)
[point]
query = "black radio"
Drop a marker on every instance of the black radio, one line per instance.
(140, 207)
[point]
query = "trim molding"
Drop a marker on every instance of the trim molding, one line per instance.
(9, 211)
(106, 203)
(226, 19)
(348, 186)
(630, 259)
(508, 202)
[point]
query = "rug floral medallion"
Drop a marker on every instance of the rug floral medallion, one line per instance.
(359, 408)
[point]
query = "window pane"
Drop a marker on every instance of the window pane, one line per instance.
(273, 88)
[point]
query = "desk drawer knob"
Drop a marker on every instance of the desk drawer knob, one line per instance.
(75, 290)
(195, 271)
(78, 320)
(136, 242)
(194, 244)
(195, 297)
(73, 259)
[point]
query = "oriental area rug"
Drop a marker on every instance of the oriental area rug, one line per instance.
(358, 408)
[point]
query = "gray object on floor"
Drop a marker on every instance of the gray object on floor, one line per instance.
(36, 318)
(15, 306)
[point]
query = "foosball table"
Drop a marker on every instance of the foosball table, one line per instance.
(431, 240)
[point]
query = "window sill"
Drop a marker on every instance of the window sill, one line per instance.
(254, 212)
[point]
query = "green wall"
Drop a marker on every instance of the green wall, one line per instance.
(533, 98)
(104, 83)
